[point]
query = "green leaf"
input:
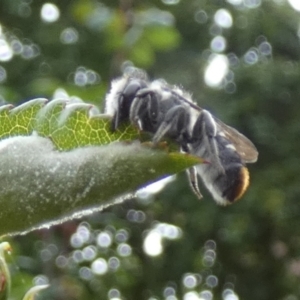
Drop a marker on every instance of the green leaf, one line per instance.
(142, 54)
(41, 185)
(5, 280)
(19, 120)
(68, 124)
(30, 295)
(76, 128)
(162, 37)
(92, 169)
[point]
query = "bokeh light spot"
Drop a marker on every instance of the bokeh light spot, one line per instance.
(206, 295)
(191, 296)
(223, 18)
(136, 216)
(252, 3)
(190, 281)
(3, 74)
(295, 4)
(265, 48)
(114, 294)
(216, 70)
(201, 17)
(251, 56)
(170, 2)
(212, 281)
(6, 52)
(40, 280)
(153, 244)
(235, 2)
(218, 44)
(61, 261)
(16, 46)
(69, 36)
(113, 263)
(85, 273)
(124, 250)
(104, 240)
(50, 12)
(99, 266)
(228, 294)
(89, 253)
(77, 256)
(169, 291)
(76, 241)
(121, 236)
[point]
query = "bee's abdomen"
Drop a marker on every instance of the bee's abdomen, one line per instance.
(237, 183)
(226, 186)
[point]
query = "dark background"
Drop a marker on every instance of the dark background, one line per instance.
(250, 250)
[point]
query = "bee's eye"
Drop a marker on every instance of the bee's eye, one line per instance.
(131, 90)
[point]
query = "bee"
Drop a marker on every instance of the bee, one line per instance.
(167, 111)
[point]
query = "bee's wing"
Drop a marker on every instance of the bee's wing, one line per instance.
(243, 145)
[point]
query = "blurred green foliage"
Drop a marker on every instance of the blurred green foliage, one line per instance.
(252, 248)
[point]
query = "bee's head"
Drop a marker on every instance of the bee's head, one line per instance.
(122, 93)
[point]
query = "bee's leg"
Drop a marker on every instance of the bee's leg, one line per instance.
(125, 98)
(138, 112)
(145, 109)
(174, 125)
(193, 181)
(204, 135)
(117, 116)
